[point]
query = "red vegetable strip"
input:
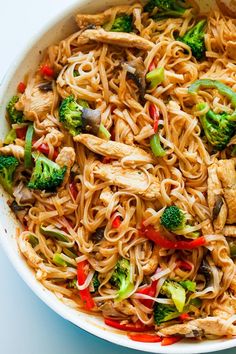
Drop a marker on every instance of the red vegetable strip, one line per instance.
(154, 114)
(148, 290)
(46, 70)
(21, 87)
(153, 64)
(85, 293)
(170, 340)
(21, 132)
(116, 222)
(184, 317)
(73, 190)
(161, 241)
(146, 338)
(137, 327)
(184, 265)
(44, 149)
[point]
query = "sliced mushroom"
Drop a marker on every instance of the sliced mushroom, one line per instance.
(91, 120)
(206, 271)
(98, 235)
(136, 72)
(23, 195)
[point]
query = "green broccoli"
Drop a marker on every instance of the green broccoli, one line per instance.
(47, 175)
(218, 128)
(188, 285)
(174, 219)
(95, 283)
(194, 38)
(176, 292)
(164, 313)
(15, 115)
(8, 165)
(78, 118)
(121, 279)
(122, 23)
(166, 8)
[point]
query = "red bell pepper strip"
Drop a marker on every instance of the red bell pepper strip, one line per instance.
(184, 265)
(106, 159)
(85, 293)
(116, 222)
(73, 190)
(21, 132)
(21, 87)
(44, 149)
(153, 64)
(148, 290)
(170, 340)
(161, 241)
(130, 327)
(154, 114)
(145, 338)
(46, 70)
(184, 316)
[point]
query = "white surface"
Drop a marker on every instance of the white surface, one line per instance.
(27, 325)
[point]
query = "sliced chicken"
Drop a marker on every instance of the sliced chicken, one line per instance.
(106, 195)
(152, 263)
(35, 103)
(207, 228)
(54, 137)
(216, 201)
(120, 39)
(231, 49)
(84, 20)
(15, 150)
(66, 158)
(135, 181)
(227, 174)
(130, 155)
(125, 307)
(23, 195)
(215, 326)
(28, 251)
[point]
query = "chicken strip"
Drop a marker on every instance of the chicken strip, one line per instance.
(215, 198)
(121, 39)
(35, 103)
(227, 174)
(215, 326)
(66, 158)
(17, 151)
(129, 155)
(152, 263)
(84, 20)
(106, 196)
(135, 181)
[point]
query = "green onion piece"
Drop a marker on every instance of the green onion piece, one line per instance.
(57, 234)
(156, 147)
(188, 285)
(155, 77)
(28, 146)
(10, 137)
(69, 253)
(103, 133)
(58, 260)
(72, 284)
(33, 240)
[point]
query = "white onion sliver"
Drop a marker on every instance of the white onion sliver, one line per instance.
(147, 297)
(87, 281)
(231, 320)
(161, 274)
(105, 297)
(159, 285)
(81, 258)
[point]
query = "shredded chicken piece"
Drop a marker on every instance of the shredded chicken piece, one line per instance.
(28, 251)
(207, 228)
(216, 201)
(231, 49)
(131, 155)
(198, 328)
(151, 266)
(120, 39)
(229, 230)
(15, 150)
(135, 181)
(227, 174)
(35, 103)
(84, 20)
(23, 195)
(66, 158)
(106, 195)
(125, 307)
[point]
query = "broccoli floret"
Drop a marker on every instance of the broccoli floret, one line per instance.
(194, 38)
(47, 175)
(70, 113)
(218, 128)
(174, 219)
(164, 313)
(95, 283)
(8, 165)
(176, 292)
(166, 8)
(15, 116)
(122, 23)
(121, 279)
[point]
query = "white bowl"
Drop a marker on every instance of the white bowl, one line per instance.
(57, 29)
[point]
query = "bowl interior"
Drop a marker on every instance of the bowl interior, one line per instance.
(27, 62)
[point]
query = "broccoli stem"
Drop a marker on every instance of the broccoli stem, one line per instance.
(103, 133)
(155, 77)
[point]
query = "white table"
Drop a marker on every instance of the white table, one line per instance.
(27, 325)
